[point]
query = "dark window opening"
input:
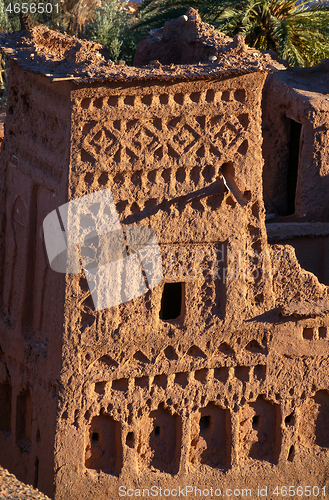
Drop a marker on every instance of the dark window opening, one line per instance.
(130, 440)
(255, 421)
(157, 430)
(95, 436)
(294, 148)
(172, 301)
(291, 453)
(205, 422)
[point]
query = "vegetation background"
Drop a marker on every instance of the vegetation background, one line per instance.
(297, 30)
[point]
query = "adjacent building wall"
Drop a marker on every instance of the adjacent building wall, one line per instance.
(34, 159)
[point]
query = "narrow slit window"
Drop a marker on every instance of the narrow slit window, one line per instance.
(292, 175)
(205, 422)
(172, 301)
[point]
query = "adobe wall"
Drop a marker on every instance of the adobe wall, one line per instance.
(300, 95)
(295, 117)
(160, 148)
(34, 157)
(232, 392)
(228, 389)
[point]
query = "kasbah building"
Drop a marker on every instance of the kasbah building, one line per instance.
(217, 379)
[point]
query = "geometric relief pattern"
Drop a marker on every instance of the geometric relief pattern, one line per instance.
(182, 138)
(221, 354)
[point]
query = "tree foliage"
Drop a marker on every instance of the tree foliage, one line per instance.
(298, 32)
(111, 26)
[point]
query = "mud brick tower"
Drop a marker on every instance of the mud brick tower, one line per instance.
(213, 379)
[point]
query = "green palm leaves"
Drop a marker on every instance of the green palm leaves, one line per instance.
(297, 33)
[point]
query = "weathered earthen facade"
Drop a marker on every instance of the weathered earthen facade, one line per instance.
(218, 377)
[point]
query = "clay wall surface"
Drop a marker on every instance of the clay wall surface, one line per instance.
(34, 155)
(295, 129)
(219, 376)
(221, 391)
(297, 96)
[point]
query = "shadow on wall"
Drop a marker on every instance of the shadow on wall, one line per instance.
(312, 254)
(24, 419)
(5, 407)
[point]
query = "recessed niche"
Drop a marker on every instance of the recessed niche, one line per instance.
(104, 448)
(201, 375)
(221, 374)
(129, 100)
(322, 332)
(181, 379)
(260, 372)
(260, 430)
(211, 437)
(210, 95)
(242, 373)
(308, 333)
(165, 441)
(120, 384)
(160, 381)
(290, 419)
(113, 100)
(291, 454)
(321, 399)
(100, 387)
(130, 440)
(142, 382)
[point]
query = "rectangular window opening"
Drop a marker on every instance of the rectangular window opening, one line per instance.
(294, 154)
(173, 301)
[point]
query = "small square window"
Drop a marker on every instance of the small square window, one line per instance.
(173, 301)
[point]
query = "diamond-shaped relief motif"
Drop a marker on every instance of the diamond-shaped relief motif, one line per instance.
(149, 140)
(145, 139)
(228, 134)
(185, 139)
(218, 134)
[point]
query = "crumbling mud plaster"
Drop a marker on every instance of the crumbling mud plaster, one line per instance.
(295, 112)
(295, 129)
(217, 377)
